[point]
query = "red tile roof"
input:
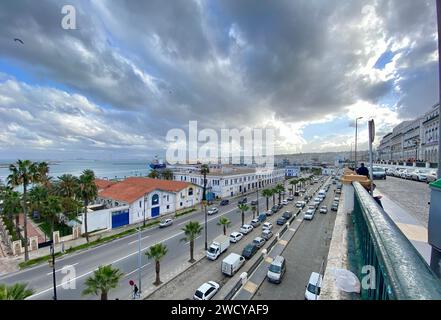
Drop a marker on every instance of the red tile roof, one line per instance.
(103, 184)
(133, 188)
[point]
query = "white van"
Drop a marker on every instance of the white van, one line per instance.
(232, 263)
(313, 287)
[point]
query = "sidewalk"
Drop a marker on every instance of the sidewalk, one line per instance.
(412, 228)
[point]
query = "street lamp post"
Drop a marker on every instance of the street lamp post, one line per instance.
(52, 264)
(356, 136)
(139, 260)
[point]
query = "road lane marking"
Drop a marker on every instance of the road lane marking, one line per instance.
(250, 287)
(194, 239)
(67, 265)
(128, 274)
(138, 240)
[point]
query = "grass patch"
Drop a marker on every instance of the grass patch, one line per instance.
(185, 212)
(64, 229)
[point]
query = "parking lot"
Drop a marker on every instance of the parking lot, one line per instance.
(413, 196)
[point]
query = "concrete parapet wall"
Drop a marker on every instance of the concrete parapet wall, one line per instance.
(338, 254)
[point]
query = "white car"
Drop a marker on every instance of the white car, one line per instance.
(309, 214)
(212, 210)
(206, 291)
(165, 223)
(285, 202)
(267, 226)
(300, 204)
(323, 209)
(246, 228)
(312, 291)
(259, 242)
(235, 236)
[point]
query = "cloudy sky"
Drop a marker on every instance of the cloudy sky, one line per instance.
(132, 70)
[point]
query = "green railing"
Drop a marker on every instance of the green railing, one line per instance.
(401, 273)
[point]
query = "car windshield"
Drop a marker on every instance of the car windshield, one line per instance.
(199, 294)
(274, 268)
(211, 250)
(313, 289)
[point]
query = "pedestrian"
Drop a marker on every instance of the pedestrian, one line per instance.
(363, 171)
(135, 291)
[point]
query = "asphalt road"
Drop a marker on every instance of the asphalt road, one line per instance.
(413, 196)
(185, 285)
(123, 254)
(305, 253)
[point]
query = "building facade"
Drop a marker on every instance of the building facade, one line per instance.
(137, 199)
(292, 171)
(415, 140)
(228, 181)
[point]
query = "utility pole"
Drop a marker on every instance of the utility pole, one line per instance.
(52, 264)
(139, 260)
(356, 136)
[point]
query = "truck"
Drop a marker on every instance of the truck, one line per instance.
(232, 263)
(219, 245)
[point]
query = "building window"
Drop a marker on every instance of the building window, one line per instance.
(155, 200)
(180, 204)
(140, 204)
(168, 207)
(190, 191)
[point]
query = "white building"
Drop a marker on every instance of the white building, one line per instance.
(228, 181)
(135, 199)
(430, 134)
(292, 171)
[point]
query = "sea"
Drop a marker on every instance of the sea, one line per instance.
(105, 169)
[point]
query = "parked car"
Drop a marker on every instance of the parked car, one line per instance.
(432, 176)
(317, 201)
(312, 291)
(276, 270)
(281, 221)
(235, 237)
(266, 234)
(378, 173)
(287, 215)
(323, 209)
(334, 206)
(270, 212)
(285, 202)
(165, 223)
(246, 228)
(225, 202)
(309, 214)
(249, 251)
(254, 202)
(290, 198)
(275, 208)
(300, 204)
(259, 242)
(267, 225)
(206, 291)
(419, 175)
(255, 223)
(243, 201)
(212, 210)
(262, 217)
(336, 199)
(407, 174)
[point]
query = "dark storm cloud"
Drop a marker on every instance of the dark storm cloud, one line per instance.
(148, 66)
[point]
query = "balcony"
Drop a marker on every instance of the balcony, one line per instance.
(364, 235)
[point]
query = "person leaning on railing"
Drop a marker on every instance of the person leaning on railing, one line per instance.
(376, 198)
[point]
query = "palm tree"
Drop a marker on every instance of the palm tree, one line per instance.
(88, 191)
(293, 184)
(267, 193)
(154, 174)
(37, 196)
(225, 223)
(243, 207)
(273, 193)
(157, 252)
(279, 188)
(167, 174)
(204, 171)
(67, 185)
(16, 291)
(191, 231)
(23, 173)
(103, 280)
(12, 207)
(52, 207)
(254, 209)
